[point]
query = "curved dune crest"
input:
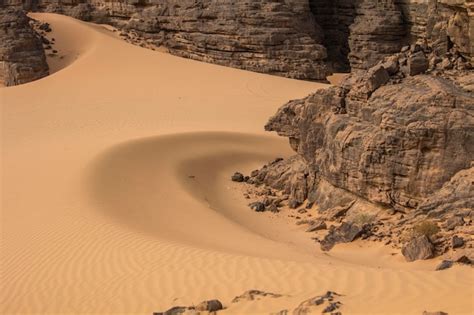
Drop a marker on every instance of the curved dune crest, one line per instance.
(116, 195)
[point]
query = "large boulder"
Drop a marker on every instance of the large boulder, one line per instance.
(418, 248)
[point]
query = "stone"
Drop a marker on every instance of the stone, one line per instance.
(445, 264)
(457, 241)
(276, 37)
(252, 295)
(176, 310)
(257, 206)
(317, 226)
(345, 233)
(418, 248)
(209, 306)
(238, 177)
(434, 313)
(417, 63)
(368, 153)
(463, 259)
(22, 57)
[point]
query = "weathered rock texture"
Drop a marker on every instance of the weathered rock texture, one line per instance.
(303, 39)
(392, 144)
(398, 138)
(22, 57)
(276, 37)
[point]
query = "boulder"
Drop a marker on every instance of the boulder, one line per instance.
(238, 177)
(209, 306)
(345, 233)
(445, 264)
(418, 248)
(316, 225)
(257, 206)
(417, 63)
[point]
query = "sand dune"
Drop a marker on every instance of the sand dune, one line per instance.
(116, 198)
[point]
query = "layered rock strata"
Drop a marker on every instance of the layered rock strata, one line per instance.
(275, 37)
(22, 58)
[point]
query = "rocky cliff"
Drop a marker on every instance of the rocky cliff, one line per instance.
(398, 138)
(22, 57)
(303, 39)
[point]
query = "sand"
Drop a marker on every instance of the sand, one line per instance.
(116, 195)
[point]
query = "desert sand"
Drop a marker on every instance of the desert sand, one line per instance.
(116, 195)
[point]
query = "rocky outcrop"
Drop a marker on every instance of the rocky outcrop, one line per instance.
(392, 144)
(398, 138)
(22, 58)
(378, 31)
(441, 24)
(276, 37)
(304, 39)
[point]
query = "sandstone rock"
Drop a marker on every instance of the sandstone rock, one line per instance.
(463, 259)
(209, 306)
(345, 233)
(316, 226)
(445, 264)
(257, 206)
(380, 148)
(277, 37)
(238, 177)
(325, 303)
(418, 248)
(434, 313)
(378, 30)
(252, 295)
(22, 57)
(417, 63)
(176, 310)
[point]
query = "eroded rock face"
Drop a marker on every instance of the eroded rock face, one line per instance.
(394, 146)
(378, 31)
(276, 37)
(22, 57)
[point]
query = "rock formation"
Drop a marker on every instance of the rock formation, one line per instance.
(303, 39)
(398, 138)
(22, 57)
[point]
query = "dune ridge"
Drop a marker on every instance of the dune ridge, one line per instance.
(116, 198)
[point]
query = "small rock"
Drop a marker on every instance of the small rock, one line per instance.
(238, 177)
(331, 307)
(257, 206)
(434, 313)
(252, 295)
(177, 310)
(417, 63)
(209, 306)
(445, 264)
(457, 241)
(345, 233)
(418, 248)
(317, 226)
(463, 259)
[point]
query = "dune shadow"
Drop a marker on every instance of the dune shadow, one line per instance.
(171, 186)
